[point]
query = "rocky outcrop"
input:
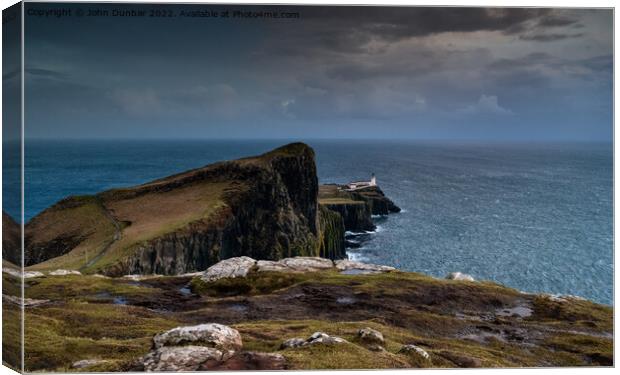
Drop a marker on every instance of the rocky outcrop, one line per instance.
(243, 266)
(11, 240)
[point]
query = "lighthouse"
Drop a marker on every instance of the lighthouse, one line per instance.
(373, 180)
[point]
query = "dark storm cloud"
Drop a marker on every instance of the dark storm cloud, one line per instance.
(334, 72)
(550, 37)
(45, 73)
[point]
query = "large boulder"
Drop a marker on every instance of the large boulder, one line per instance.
(211, 335)
(180, 358)
(370, 336)
(229, 268)
(87, 363)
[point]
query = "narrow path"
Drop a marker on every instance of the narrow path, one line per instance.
(118, 234)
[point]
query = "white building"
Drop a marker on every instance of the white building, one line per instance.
(362, 184)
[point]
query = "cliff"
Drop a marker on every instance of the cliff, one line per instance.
(356, 207)
(264, 207)
(11, 240)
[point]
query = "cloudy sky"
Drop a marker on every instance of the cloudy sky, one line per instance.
(334, 72)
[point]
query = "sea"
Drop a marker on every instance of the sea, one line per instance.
(537, 217)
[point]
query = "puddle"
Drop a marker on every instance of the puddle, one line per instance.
(185, 290)
(119, 301)
(518, 312)
(345, 300)
(355, 271)
(237, 307)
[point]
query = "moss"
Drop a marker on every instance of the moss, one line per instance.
(80, 288)
(56, 337)
(255, 283)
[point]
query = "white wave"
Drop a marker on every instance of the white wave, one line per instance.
(356, 257)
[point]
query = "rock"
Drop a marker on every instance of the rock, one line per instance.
(27, 302)
(348, 265)
(87, 363)
(356, 215)
(375, 348)
(315, 338)
(26, 275)
(293, 343)
(229, 268)
(271, 266)
(459, 276)
(32, 274)
(370, 336)
(324, 338)
(296, 264)
(416, 350)
(180, 358)
(211, 335)
(562, 297)
(307, 264)
(461, 360)
(249, 361)
(64, 272)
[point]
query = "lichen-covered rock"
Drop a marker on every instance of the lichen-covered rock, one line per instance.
(370, 336)
(229, 268)
(415, 350)
(212, 335)
(296, 264)
(348, 265)
(26, 275)
(248, 361)
(87, 363)
(64, 272)
(315, 338)
(307, 264)
(460, 276)
(26, 302)
(180, 358)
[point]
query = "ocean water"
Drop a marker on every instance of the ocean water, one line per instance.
(536, 217)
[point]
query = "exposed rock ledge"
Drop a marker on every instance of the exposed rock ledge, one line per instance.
(242, 266)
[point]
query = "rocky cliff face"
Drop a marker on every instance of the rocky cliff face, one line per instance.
(377, 201)
(11, 241)
(264, 207)
(356, 215)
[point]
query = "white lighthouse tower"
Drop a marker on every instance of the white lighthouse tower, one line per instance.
(373, 180)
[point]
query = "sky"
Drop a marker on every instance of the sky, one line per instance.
(528, 74)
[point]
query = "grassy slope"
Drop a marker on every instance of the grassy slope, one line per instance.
(329, 194)
(80, 324)
(151, 215)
